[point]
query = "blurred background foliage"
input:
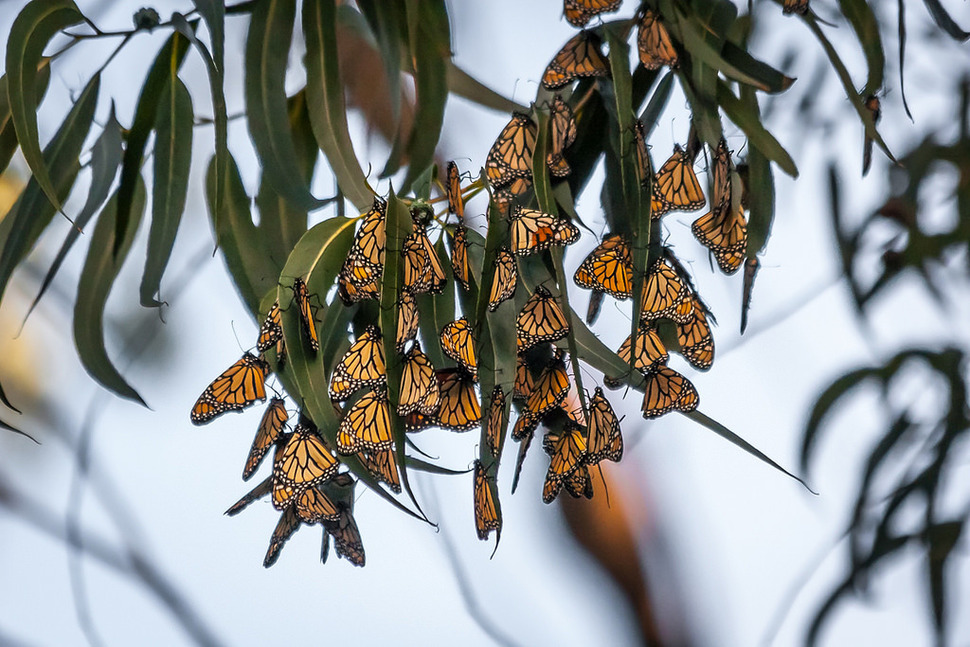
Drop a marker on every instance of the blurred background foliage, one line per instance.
(391, 63)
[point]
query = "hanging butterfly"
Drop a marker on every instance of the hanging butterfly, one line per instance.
(236, 388)
(313, 506)
(540, 320)
(676, 187)
(288, 524)
(303, 461)
(419, 386)
(407, 319)
(268, 432)
(271, 331)
(550, 389)
(416, 264)
(382, 465)
(578, 12)
(721, 177)
(567, 451)
(524, 382)
(458, 343)
(504, 280)
(694, 337)
(496, 422)
(456, 204)
(309, 326)
(417, 421)
(608, 268)
(366, 425)
(725, 233)
(459, 257)
(605, 439)
(562, 134)
(581, 57)
(650, 353)
(370, 239)
(433, 279)
(487, 517)
(511, 155)
(663, 294)
(350, 292)
(460, 409)
(795, 6)
(346, 538)
(579, 484)
(667, 390)
(362, 365)
(533, 231)
(524, 443)
(264, 488)
(653, 42)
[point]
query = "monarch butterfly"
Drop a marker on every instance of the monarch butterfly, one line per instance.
(236, 388)
(580, 57)
(524, 426)
(579, 484)
(416, 264)
(458, 343)
(456, 204)
(524, 382)
(533, 231)
(725, 233)
(346, 538)
(497, 421)
(460, 409)
(417, 421)
(540, 320)
(563, 133)
(578, 12)
(459, 257)
(270, 428)
(593, 308)
(504, 280)
(524, 443)
(366, 425)
(433, 280)
(550, 389)
(663, 292)
(667, 390)
(567, 452)
(288, 524)
(572, 406)
(650, 353)
(302, 297)
(653, 42)
(350, 290)
(608, 268)
(313, 505)
(487, 516)
(407, 319)
(721, 177)
(676, 187)
(271, 331)
(694, 337)
(511, 155)
(370, 239)
(419, 387)
(362, 365)
(751, 267)
(265, 487)
(383, 466)
(605, 439)
(303, 462)
(795, 6)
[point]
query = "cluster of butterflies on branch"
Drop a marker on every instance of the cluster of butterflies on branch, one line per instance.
(306, 483)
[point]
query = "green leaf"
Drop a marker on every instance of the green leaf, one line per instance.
(31, 214)
(170, 181)
(267, 57)
(30, 33)
(243, 248)
(9, 427)
(100, 270)
(430, 40)
(105, 159)
(325, 100)
(749, 121)
(172, 53)
(944, 20)
(8, 134)
(387, 21)
(280, 222)
(823, 404)
(658, 103)
(462, 84)
(866, 27)
(732, 437)
(214, 14)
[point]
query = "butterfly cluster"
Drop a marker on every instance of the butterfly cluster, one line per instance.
(439, 375)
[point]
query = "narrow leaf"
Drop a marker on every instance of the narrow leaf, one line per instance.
(33, 28)
(97, 278)
(462, 84)
(823, 404)
(749, 121)
(866, 27)
(214, 14)
(944, 20)
(170, 182)
(8, 133)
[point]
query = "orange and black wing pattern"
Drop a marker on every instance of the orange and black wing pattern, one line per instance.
(676, 187)
(419, 386)
(578, 12)
(304, 461)
(271, 331)
(695, 339)
(648, 354)
(458, 343)
(725, 233)
(795, 6)
(504, 280)
(239, 386)
(459, 257)
(307, 323)
(366, 425)
(664, 292)
(511, 155)
(608, 268)
(460, 409)
(581, 57)
(667, 390)
(456, 204)
(382, 464)
(605, 440)
(362, 365)
(567, 452)
(563, 132)
(407, 319)
(497, 421)
(541, 319)
(270, 428)
(533, 231)
(653, 42)
(487, 517)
